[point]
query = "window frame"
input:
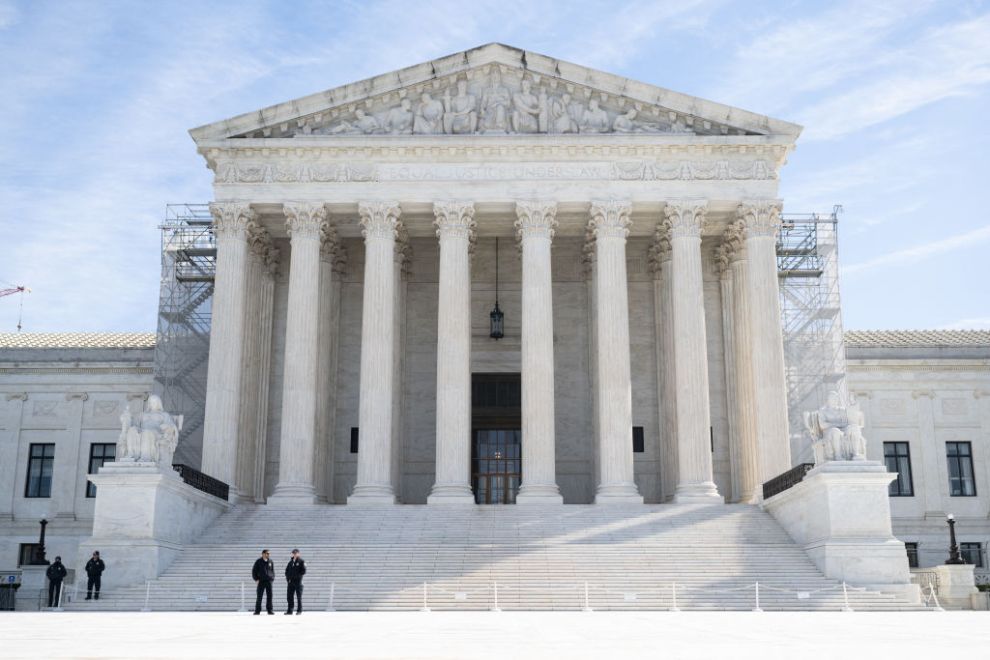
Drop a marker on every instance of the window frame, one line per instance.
(911, 548)
(32, 550)
(639, 440)
(90, 486)
(899, 482)
(40, 479)
(972, 546)
(960, 460)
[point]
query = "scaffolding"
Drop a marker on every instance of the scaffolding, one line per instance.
(811, 317)
(183, 336)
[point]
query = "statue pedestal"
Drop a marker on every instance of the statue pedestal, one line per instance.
(840, 513)
(144, 515)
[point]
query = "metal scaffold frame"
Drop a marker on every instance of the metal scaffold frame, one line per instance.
(811, 317)
(183, 336)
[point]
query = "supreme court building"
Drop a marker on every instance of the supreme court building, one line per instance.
(365, 233)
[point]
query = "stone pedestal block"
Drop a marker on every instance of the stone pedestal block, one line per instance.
(840, 513)
(143, 517)
(956, 585)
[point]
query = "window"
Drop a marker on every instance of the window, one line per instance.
(639, 444)
(354, 439)
(99, 453)
(897, 456)
(25, 554)
(912, 554)
(41, 459)
(972, 553)
(960, 460)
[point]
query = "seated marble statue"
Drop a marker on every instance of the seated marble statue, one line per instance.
(459, 112)
(429, 116)
(595, 119)
(525, 110)
(151, 437)
(561, 120)
(837, 431)
(494, 106)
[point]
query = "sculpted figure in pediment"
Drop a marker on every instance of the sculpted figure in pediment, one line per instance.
(595, 119)
(399, 120)
(363, 124)
(495, 105)
(429, 116)
(627, 123)
(525, 110)
(460, 115)
(561, 119)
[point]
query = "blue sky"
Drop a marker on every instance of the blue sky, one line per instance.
(98, 96)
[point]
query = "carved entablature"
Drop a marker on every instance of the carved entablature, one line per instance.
(496, 99)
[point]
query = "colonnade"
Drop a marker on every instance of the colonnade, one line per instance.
(746, 262)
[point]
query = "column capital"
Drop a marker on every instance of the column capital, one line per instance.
(304, 219)
(759, 217)
(734, 240)
(536, 219)
(686, 217)
(231, 219)
(722, 259)
(610, 218)
(329, 243)
(454, 219)
(380, 219)
(261, 245)
(402, 253)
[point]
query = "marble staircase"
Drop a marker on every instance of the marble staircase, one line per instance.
(537, 557)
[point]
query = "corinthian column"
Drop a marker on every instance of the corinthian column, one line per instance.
(297, 451)
(374, 473)
(760, 220)
(610, 225)
(535, 227)
(221, 427)
(663, 305)
(455, 226)
(694, 456)
(326, 367)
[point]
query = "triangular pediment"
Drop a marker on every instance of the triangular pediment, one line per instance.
(495, 90)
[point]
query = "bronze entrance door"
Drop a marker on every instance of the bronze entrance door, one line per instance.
(496, 442)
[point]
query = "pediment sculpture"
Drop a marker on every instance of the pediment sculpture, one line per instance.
(150, 436)
(837, 431)
(493, 104)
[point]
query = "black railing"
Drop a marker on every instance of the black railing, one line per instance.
(782, 482)
(203, 482)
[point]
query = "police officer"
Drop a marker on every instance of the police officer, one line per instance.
(56, 573)
(294, 572)
(263, 573)
(94, 569)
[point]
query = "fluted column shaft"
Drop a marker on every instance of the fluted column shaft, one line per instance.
(266, 295)
(663, 300)
(761, 222)
(380, 221)
(246, 440)
(616, 483)
(744, 413)
(297, 451)
(455, 226)
(326, 365)
(221, 427)
(690, 354)
(535, 227)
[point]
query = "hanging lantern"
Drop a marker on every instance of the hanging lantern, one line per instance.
(497, 318)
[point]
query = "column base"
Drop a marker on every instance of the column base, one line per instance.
(539, 494)
(450, 495)
(292, 494)
(704, 492)
(373, 495)
(625, 493)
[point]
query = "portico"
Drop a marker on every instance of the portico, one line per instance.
(642, 293)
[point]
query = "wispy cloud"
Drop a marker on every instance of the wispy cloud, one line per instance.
(920, 252)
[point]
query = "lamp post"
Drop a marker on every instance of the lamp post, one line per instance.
(954, 556)
(497, 317)
(39, 555)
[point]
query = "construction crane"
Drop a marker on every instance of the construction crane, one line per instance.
(11, 291)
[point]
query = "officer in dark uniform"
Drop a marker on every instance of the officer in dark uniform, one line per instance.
(263, 573)
(94, 569)
(294, 572)
(56, 573)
